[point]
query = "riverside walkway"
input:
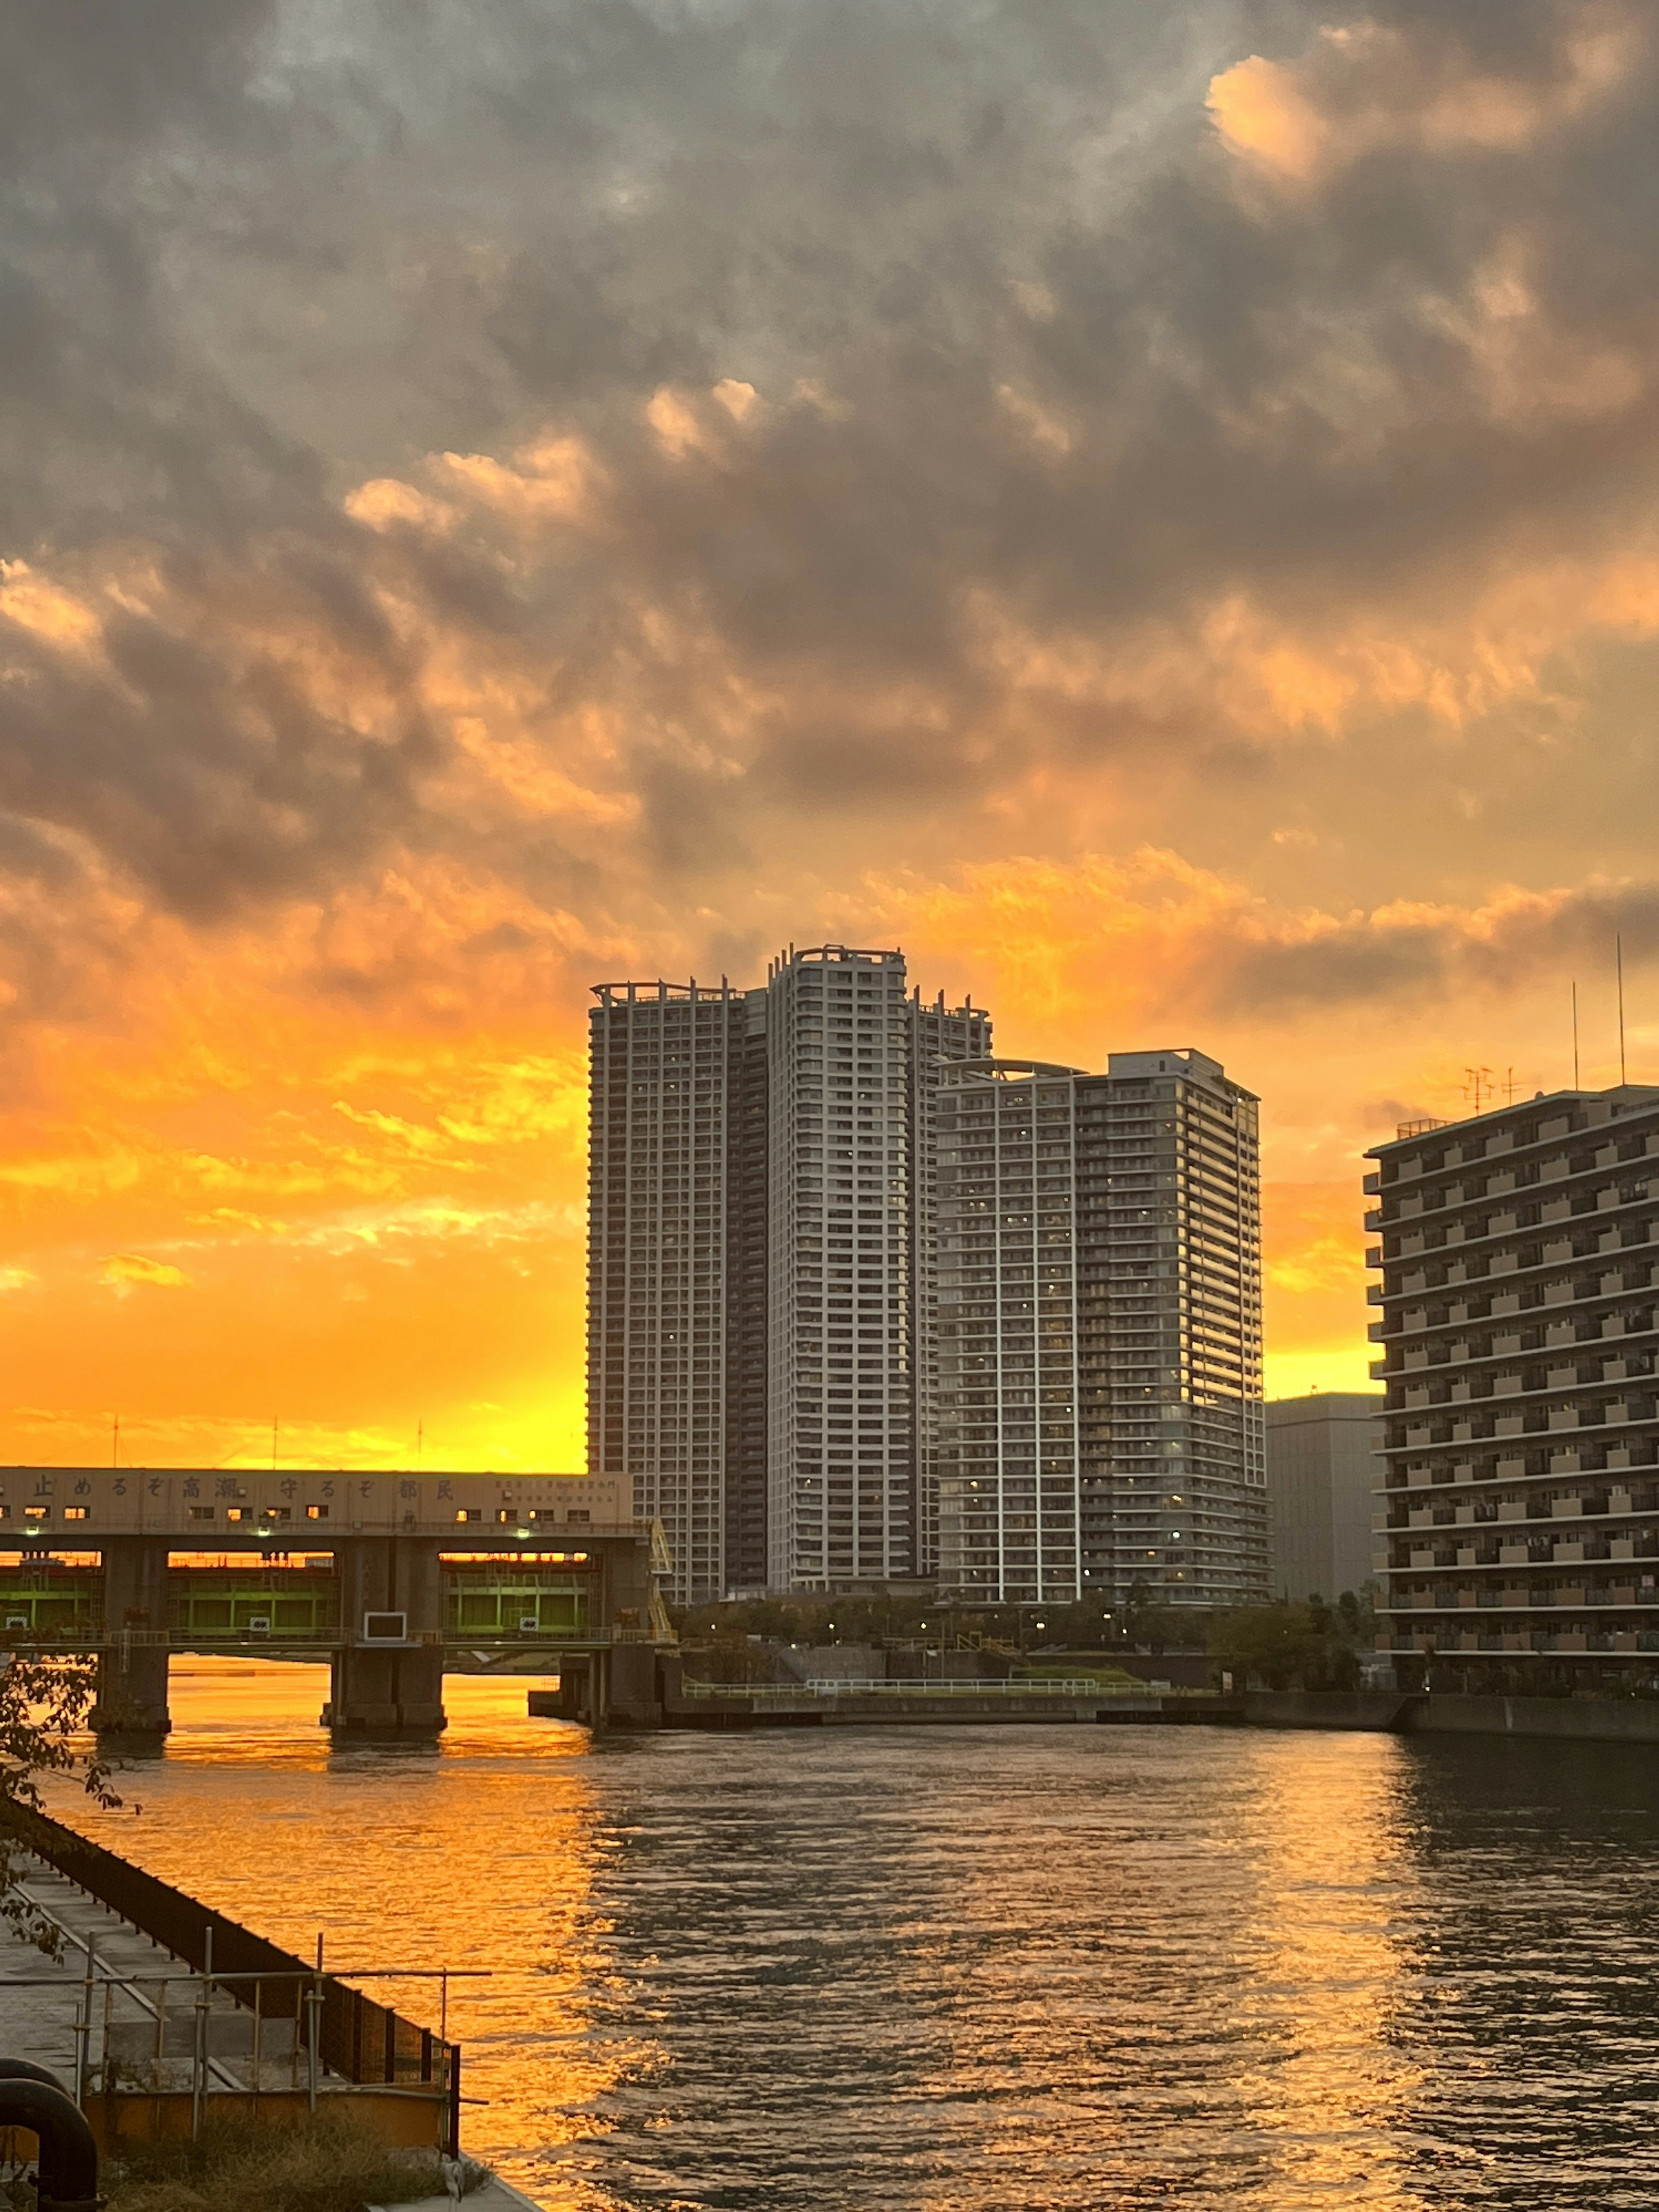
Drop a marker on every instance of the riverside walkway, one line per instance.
(129, 2027)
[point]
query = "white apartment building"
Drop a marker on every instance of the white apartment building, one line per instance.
(758, 1185)
(1099, 1417)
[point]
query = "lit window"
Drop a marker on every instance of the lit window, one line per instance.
(316, 1513)
(74, 1512)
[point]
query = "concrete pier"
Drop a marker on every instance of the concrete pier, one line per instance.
(132, 1665)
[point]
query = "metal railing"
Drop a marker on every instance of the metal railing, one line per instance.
(182, 2031)
(1079, 1685)
(75, 1638)
(358, 2040)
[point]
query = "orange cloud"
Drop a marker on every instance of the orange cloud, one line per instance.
(126, 1269)
(1368, 86)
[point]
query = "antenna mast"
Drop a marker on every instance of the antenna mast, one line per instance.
(1619, 966)
(1574, 1033)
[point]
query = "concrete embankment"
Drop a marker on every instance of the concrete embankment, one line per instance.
(707, 1706)
(1580, 1720)
(715, 1708)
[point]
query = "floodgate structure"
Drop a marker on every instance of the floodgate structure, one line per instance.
(384, 1575)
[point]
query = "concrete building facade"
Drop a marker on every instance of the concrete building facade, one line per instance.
(758, 1181)
(1517, 1520)
(1321, 1474)
(667, 1065)
(1099, 1333)
(1005, 1354)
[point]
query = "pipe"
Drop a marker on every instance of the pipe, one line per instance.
(67, 2174)
(25, 2069)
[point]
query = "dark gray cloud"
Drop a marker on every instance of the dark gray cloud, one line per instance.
(1025, 334)
(1435, 958)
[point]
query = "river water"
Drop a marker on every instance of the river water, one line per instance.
(968, 1969)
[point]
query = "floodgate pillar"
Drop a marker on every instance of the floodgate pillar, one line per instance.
(386, 1677)
(132, 1663)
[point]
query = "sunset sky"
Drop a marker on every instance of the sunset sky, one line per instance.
(1149, 508)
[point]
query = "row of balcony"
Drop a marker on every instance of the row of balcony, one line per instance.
(1555, 1376)
(1495, 1556)
(1527, 1276)
(1521, 1645)
(1612, 1206)
(1466, 1510)
(1507, 1148)
(1590, 1422)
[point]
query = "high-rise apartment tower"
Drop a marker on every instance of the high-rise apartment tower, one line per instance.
(1099, 1427)
(759, 1188)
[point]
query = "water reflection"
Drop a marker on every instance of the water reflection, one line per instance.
(975, 1971)
(1532, 1948)
(479, 1853)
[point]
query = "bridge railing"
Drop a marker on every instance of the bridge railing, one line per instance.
(1079, 1685)
(86, 1639)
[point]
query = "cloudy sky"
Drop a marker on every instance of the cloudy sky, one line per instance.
(1150, 507)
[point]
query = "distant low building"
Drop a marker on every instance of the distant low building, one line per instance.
(1322, 1469)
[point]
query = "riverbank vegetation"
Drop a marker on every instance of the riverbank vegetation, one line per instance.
(1313, 1646)
(1295, 1647)
(46, 1704)
(327, 2164)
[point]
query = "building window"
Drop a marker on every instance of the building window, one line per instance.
(470, 1513)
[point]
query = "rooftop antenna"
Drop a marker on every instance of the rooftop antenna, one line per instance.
(1478, 1086)
(1574, 1033)
(1619, 966)
(1509, 1086)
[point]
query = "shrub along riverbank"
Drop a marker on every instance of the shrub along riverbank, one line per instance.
(322, 2164)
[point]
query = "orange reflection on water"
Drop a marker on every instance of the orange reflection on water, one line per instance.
(479, 1854)
(1175, 1976)
(1325, 1851)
